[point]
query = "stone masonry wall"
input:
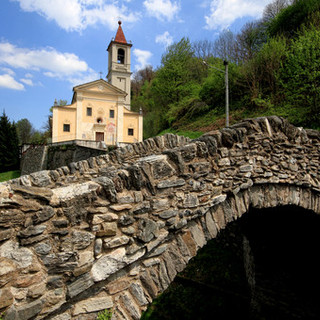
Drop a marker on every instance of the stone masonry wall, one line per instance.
(59, 156)
(34, 159)
(52, 157)
(114, 230)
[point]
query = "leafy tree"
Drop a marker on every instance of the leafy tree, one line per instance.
(290, 19)
(37, 137)
(177, 78)
(145, 99)
(139, 78)
(270, 59)
(175, 71)
(9, 145)
(300, 77)
(213, 89)
(25, 131)
(260, 74)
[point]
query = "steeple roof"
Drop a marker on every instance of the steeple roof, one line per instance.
(120, 38)
(120, 35)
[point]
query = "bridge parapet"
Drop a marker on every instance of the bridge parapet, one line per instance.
(113, 231)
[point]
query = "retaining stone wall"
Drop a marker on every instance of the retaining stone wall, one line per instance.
(59, 156)
(34, 159)
(39, 158)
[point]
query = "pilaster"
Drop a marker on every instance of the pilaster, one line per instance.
(79, 117)
(120, 123)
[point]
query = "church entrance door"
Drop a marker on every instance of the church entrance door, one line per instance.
(99, 136)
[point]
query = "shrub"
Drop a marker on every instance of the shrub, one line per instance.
(103, 315)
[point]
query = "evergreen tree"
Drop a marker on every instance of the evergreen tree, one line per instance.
(9, 145)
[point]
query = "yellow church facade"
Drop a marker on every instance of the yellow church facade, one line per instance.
(100, 110)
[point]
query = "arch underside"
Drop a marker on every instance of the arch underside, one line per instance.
(112, 232)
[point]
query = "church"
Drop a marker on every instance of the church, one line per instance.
(100, 110)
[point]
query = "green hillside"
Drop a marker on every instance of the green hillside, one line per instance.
(273, 66)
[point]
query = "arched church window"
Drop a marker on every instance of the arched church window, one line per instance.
(121, 56)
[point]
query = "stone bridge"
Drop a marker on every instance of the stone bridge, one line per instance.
(113, 231)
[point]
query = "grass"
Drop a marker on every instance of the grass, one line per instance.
(5, 176)
(186, 133)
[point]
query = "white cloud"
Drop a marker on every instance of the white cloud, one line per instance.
(164, 39)
(162, 9)
(8, 82)
(225, 12)
(77, 15)
(142, 56)
(8, 71)
(29, 82)
(47, 59)
(50, 62)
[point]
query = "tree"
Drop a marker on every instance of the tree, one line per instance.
(225, 46)
(274, 8)
(203, 49)
(270, 58)
(46, 135)
(60, 102)
(213, 89)
(250, 40)
(179, 67)
(139, 78)
(261, 72)
(9, 145)
(300, 77)
(25, 131)
(290, 19)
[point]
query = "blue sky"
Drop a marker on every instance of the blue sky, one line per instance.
(49, 46)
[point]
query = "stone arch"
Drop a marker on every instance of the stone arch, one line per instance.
(192, 283)
(162, 263)
(113, 231)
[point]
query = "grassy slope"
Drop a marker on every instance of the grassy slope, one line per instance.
(5, 176)
(214, 120)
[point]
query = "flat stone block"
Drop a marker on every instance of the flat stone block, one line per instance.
(92, 305)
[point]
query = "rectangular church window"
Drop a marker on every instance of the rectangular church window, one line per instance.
(66, 127)
(130, 132)
(111, 114)
(89, 112)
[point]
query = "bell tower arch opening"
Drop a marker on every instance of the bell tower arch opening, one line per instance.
(121, 56)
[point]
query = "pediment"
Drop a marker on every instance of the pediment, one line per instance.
(100, 87)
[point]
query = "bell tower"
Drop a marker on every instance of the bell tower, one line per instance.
(119, 63)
